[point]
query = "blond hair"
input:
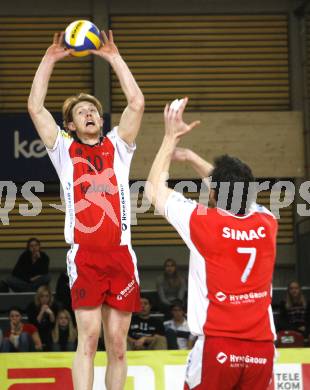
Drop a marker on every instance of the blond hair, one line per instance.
(72, 101)
(72, 331)
(39, 292)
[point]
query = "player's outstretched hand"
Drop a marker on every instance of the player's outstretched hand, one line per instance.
(57, 51)
(108, 49)
(175, 126)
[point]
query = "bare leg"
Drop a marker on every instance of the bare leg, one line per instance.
(88, 324)
(115, 326)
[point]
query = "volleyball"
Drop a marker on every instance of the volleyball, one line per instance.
(82, 35)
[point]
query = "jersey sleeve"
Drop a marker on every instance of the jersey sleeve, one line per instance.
(178, 211)
(124, 150)
(59, 152)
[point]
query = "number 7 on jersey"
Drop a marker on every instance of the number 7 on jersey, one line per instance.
(250, 264)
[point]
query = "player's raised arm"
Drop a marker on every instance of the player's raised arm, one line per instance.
(41, 117)
(201, 166)
(156, 186)
(132, 115)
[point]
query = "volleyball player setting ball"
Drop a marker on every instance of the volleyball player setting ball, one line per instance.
(94, 172)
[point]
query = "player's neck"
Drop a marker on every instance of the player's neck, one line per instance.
(89, 140)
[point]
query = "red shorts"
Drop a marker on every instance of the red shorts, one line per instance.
(219, 363)
(103, 276)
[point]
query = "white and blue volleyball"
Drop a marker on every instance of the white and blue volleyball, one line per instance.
(82, 35)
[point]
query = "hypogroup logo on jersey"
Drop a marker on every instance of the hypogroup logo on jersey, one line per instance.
(240, 360)
(250, 297)
(221, 357)
(220, 296)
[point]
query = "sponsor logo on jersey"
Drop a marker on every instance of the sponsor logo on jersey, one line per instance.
(220, 296)
(69, 203)
(127, 290)
(221, 357)
(123, 206)
(240, 360)
(92, 186)
(96, 187)
(26, 149)
(245, 360)
(244, 235)
(250, 297)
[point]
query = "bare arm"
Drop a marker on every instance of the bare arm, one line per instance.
(201, 166)
(41, 117)
(156, 186)
(132, 115)
(37, 341)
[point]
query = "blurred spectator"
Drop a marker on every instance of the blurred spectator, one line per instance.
(1, 339)
(30, 271)
(177, 331)
(62, 293)
(146, 332)
(64, 334)
(41, 313)
(21, 337)
(294, 311)
(170, 285)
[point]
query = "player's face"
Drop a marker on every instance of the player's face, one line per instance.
(86, 120)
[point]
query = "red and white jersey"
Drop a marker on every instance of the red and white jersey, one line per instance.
(96, 189)
(231, 267)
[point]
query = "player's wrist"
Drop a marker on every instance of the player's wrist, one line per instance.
(48, 59)
(114, 59)
(170, 141)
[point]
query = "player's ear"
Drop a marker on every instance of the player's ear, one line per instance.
(71, 126)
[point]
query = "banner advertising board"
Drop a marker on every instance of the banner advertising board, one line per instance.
(147, 370)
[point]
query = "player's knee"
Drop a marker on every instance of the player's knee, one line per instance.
(89, 344)
(117, 348)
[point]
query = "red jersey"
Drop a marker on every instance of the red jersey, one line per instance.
(231, 268)
(95, 181)
(96, 190)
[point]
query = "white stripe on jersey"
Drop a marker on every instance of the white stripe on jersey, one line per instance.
(71, 266)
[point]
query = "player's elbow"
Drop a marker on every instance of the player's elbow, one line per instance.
(136, 103)
(33, 108)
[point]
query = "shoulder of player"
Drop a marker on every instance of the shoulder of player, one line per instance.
(65, 134)
(262, 210)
